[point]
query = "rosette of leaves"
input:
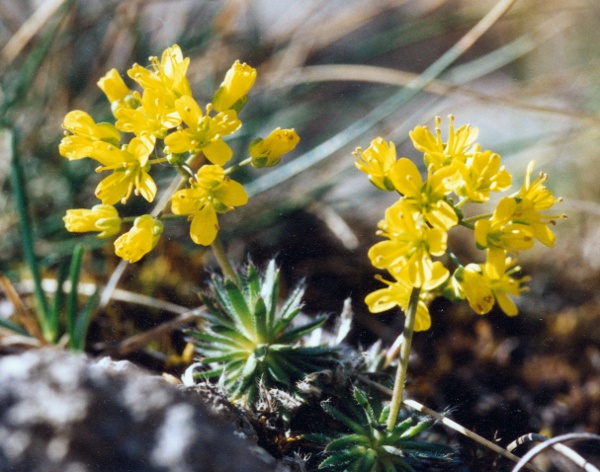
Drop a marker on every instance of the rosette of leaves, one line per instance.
(371, 447)
(248, 338)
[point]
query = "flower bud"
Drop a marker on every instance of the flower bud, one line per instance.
(102, 218)
(232, 92)
(267, 152)
(140, 239)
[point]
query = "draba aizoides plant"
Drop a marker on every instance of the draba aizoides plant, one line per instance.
(248, 337)
(416, 228)
(164, 125)
(370, 446)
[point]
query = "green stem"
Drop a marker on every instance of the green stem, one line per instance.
(237, 166)
(473, 219)
(158, 160)
(168, 216)
(223, 261)
(409, 325)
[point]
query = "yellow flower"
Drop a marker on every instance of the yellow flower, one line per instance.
(532, 198)
(440, 154)
(155, 116)
(81, 132)
(473, 286)
(167, 77)
(116, 90)
(130, 170)
(376, 161)
(484, 284)
(426, 198)
(536, 192)
(502, 231)
(481, 175)
(140, 239)
(211, 192)
(204, 133)
(411, 242)
(232, 92)
(103, 218)
(397, 293)
(267, 152)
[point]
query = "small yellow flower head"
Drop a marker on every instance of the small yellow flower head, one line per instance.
(155, 116)
(204, 133)
(481, 175)
(410, 243)
(267, 152)
(102, 218)
(536, 192)
(211, 192)
(376, 161)
(140, 239)
(167, 77)
(440, 154)
(397, 293)
(427, 198)
(116, 91)
(503, 230)
(484, 284)
(130, 170)
(474, 287)
(532, 198)
(232, 92)
(81, 131)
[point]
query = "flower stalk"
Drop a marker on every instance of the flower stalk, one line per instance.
(409, 326)
(223, 260)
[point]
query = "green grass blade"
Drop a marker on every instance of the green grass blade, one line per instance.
(13, 327)
(59, 296)
(83, 321)
(17, 180)
(74, 271)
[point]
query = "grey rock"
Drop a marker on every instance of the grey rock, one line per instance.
(61, 412)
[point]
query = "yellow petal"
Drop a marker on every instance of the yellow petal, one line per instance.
(180, 141)
(231, 193)
(114, 188)
(189, 110)
(146, 187)
(406, 178)
(218, 152)
(183, 202)
(423, 318)
(205, 225)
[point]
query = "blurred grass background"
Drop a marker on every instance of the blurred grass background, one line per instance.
(530, 84)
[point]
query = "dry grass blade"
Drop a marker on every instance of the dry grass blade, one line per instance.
(551, 443)
(25, 316)
(560, 448)
(28, 30)
(139, 340)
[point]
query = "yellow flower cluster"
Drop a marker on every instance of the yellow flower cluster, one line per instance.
(416, 227)
(163, 124)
